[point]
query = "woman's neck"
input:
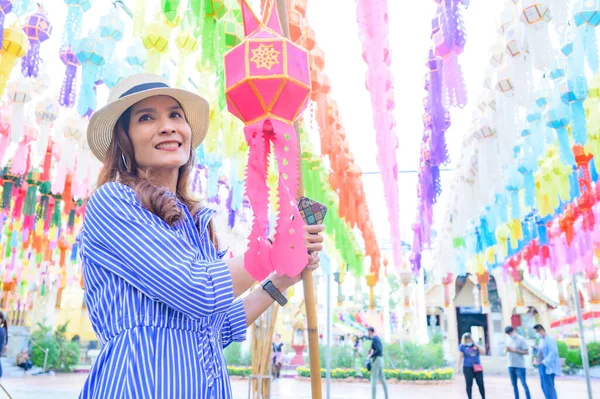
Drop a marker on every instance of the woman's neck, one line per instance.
(163, 178)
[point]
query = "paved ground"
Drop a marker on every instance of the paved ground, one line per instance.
(68, 386)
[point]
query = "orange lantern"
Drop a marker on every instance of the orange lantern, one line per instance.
(483, 279)
(296, 26)
(317, 58)
(371, 281)
(447, 280)
(300, 6)
(308, 39)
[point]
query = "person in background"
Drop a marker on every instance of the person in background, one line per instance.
(277, 356)
(376, 356)
(470, 364)
(3, 337)
(548, 361)
(23, 360)
(517, 349)
(356, 349)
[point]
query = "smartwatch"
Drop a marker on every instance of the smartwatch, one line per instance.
(274, 292)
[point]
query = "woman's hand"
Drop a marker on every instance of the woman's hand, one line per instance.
(314, 244)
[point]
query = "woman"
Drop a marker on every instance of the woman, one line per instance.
(160, 296)
(469, 362)
(277, 356)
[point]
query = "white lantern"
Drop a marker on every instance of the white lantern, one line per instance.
(534, 11)
(504, 83)
(497, 54)
(19, 91)
(46, 111)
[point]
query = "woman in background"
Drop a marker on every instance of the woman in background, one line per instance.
(470, 364)
(277, 356)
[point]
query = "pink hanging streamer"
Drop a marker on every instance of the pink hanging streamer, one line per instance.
(285, 255)
(373, 24)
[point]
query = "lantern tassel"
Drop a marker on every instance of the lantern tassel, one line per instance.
(30, 64)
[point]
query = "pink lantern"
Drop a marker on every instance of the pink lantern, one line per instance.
(267, 85)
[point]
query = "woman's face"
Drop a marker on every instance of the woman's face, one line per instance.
(160, 134)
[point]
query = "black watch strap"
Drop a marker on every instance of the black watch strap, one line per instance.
(274, 292)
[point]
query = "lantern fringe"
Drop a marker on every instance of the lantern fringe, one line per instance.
(30, 64)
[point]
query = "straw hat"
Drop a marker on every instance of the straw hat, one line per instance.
(134, 89)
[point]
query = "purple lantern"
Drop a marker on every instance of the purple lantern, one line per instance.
(5, 7)
(38, 29)
(67, 91)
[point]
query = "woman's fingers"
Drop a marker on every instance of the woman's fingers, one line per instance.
(313, 238)
(314, 247)
(314, 228)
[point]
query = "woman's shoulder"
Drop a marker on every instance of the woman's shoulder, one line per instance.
(113, 190)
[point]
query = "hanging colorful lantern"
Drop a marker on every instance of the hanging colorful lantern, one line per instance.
(38, 29)
(19, 91)
(587, 17)
(371, 281)
(136, 57)
(22, 157)
(41, 83)
(47, 112)
(267, 87)
(14, 46)
(446, 281)
(187, 45)
(234, 31)
(114, 72)
(169, 8)
(5, 7)
(90, 53)
(213, 11)
(156, 41)
(74, 21)
(67, 91)
(111, 30)
(535, 14)
(73, 132)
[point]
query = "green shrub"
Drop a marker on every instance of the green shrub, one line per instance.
(574, 358)
(410, 375)
(239, 371)
(62, 354)
(38, 354)
(594, 353)
(563, 349)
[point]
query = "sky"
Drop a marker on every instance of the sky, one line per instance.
(336, 29)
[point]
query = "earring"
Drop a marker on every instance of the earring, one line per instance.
(124, 162)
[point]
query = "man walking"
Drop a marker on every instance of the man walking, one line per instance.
(376, 356)
(548, 361)
(517, 349)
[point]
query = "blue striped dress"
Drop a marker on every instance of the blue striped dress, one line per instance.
(160, 299)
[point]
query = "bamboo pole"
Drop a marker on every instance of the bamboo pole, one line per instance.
(307, 278)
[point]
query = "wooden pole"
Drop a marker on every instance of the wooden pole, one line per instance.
(307, 278)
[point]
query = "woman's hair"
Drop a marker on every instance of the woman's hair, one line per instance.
(120, 166)
(4, 324)
(465, 337)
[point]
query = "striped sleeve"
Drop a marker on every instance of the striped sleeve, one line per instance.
(137, 246)
(234, 326)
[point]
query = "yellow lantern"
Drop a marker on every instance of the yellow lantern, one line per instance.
(187, 44)
(14, 46)
(156, 41)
